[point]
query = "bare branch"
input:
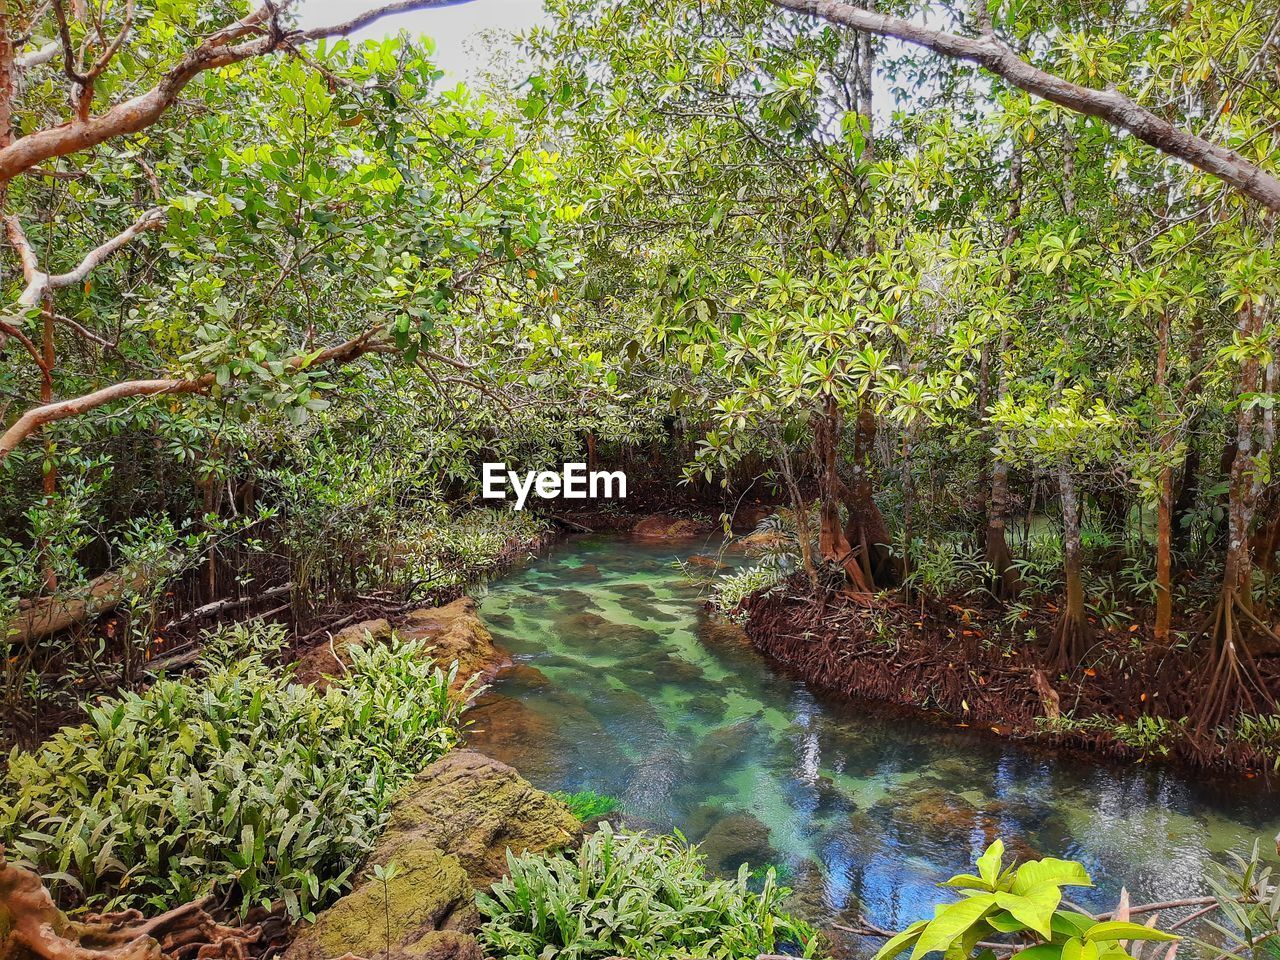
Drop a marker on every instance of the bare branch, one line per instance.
(153, 219)
(38, 57)
(1109, 105)
(39, 282)
(349, 27)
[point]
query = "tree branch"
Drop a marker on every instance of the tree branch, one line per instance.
(39, 282)
(1109, 105)
(152, 219)
(218, 50)
(33, 420)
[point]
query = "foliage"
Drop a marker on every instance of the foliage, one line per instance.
(1021, 903)
(588, 804)
(634, 895)
(238, 781)
(775, 546)
(942, 569)
(732, 588)
(1248, 907)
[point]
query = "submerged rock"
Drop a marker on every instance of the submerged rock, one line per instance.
(725, 746)
(447, 835)
(664, 527)
(734, 840)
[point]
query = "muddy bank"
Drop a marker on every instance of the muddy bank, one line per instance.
(1127, 702)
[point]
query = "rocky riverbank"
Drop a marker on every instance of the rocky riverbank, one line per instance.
(447, 836)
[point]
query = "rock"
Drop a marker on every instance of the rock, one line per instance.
(428, 913)
(725, 746)
(708, 562)
(455, 632)
(734, 840)
(477, 808)
(447, 835)
(510, 730)
(749, 515)
(942, 814)
(325, 659)
(527, 676)
(664, 527)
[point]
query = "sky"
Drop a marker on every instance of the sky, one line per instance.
(454, 28)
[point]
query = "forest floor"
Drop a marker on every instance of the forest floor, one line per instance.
(1127, 701)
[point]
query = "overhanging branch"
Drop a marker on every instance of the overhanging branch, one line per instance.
(1110, 105)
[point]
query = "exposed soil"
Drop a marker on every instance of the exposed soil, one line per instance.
(954, 663)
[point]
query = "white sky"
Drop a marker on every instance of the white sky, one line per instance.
(454, 28)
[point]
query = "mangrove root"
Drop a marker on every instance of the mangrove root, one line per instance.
(33, 928)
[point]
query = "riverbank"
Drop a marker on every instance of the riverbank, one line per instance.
(1127, 701)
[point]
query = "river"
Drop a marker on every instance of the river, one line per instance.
(625, 685)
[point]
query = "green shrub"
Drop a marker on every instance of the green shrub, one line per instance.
(587, 804)
(733, 588)
(1023, 906)
(633, 895)
(238, 780)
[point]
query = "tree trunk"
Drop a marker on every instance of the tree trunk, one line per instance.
(996, 547)
(1164, 508)
(1072, 635)
(865, 528)
(1234, 685)
(833, 543)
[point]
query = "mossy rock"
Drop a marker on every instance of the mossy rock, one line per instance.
(426, 912)
(447, 835)
(664, 527)
(456, 633)
(327, 659)
(476, 809)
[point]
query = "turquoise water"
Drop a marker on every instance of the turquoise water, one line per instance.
(625, 685)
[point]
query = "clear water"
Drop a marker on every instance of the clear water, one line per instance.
(625, 685)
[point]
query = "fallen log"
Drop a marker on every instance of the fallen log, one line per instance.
(50, 615)
(222, 606)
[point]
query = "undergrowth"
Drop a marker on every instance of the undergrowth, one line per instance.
(634, 895)
(238, 781)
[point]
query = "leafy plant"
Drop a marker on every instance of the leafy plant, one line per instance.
(239, 782)
(587, 804)
(1249, 907)
(732, 589)
(1021, 903)
(945, 568)
(633, 895)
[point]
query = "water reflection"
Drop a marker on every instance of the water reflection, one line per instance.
(626, 686)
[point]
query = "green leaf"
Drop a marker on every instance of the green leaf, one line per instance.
(950, 922)
(989, 863)
(1123, 930)
(1050, 870)
(896, 944)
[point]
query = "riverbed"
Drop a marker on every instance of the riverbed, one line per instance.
(625, 685)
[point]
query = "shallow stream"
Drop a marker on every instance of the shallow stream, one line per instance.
(626, 686)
